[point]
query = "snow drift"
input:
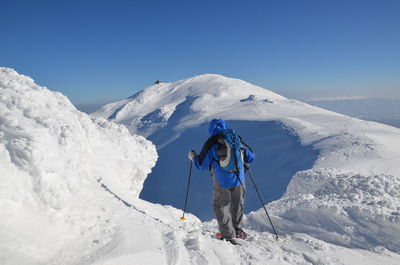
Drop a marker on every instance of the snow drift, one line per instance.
(350, 210)
(51, 160)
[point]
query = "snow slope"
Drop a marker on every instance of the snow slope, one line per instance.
(346, 192)
(69, 188)
(51, 159)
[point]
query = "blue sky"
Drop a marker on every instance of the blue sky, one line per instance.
(102, 51)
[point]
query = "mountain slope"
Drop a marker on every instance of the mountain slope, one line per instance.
(69, 190)
(150, 109)
(347, 169)
(162, 112)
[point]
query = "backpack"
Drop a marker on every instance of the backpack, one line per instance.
(230, 151)
(228, 140)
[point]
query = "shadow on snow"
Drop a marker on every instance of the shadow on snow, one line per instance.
(279, 155)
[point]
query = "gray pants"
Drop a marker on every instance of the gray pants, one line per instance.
(228, 208)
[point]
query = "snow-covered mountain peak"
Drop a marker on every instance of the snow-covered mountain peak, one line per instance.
(213, 84)
(157, 103)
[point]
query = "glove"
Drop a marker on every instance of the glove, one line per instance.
(192, 154)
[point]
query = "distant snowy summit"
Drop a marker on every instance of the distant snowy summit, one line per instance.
(151, 109)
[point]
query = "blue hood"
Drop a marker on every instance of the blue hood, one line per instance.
(216, 126)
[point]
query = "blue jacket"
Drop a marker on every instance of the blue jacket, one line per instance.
(224, 178)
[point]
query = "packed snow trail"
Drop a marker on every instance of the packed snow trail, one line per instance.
(192, 242)
(295, 245)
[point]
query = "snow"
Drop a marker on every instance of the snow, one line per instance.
(285, 156)
(194, 101)
(69, 183)
(351, 162)
(348, 210)
(154, 105)
(51, 158)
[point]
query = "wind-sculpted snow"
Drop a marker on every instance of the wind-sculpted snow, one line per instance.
(350, 210)
(51, 159)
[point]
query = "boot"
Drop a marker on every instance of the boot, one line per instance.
(240, 233)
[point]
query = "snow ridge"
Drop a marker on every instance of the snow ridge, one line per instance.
(350, 210)
(151, 109)
(51, 156)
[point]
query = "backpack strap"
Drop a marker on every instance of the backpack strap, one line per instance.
(241, 140)
(212, 141)
(206, 147)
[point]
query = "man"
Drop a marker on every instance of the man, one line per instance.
(229, 186)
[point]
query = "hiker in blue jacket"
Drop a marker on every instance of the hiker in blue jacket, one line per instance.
(229, 185)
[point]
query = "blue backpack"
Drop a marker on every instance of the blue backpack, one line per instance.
(230, 151)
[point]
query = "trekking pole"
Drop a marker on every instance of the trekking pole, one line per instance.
(187, 191)
(262, 202)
